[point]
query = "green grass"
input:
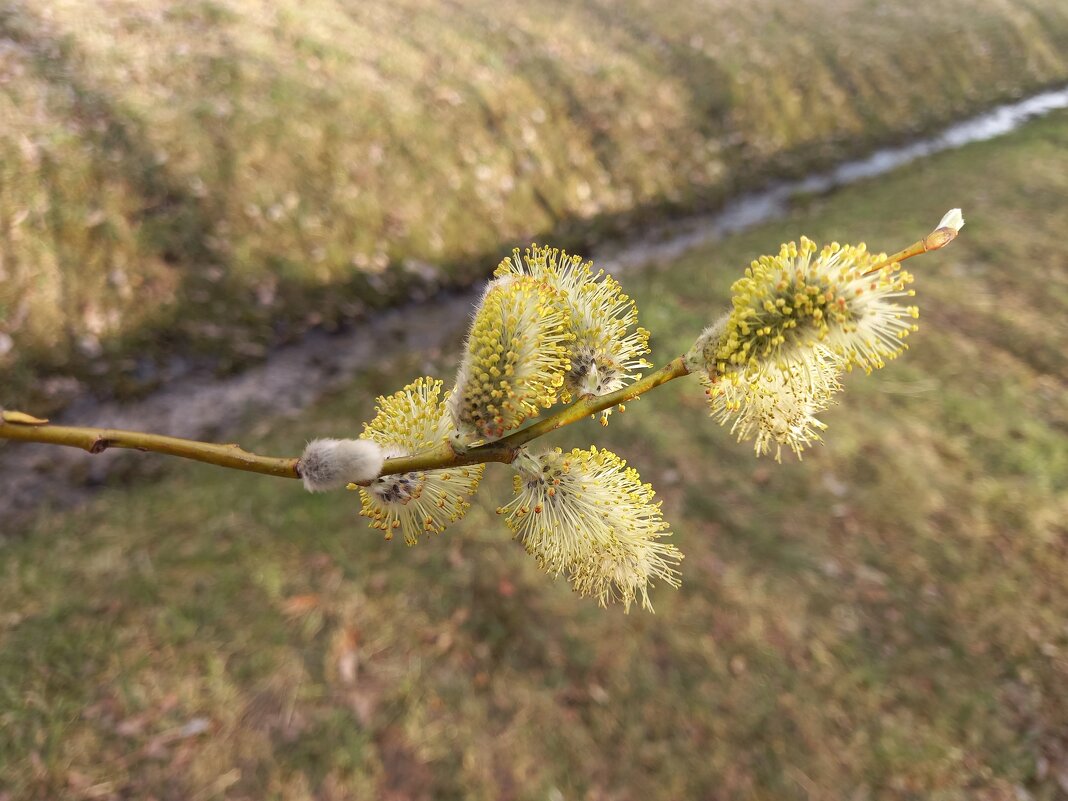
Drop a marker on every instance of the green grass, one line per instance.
(884, 620)
(205, 179)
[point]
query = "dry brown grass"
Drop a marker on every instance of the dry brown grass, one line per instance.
(885, 620)
(211, 177)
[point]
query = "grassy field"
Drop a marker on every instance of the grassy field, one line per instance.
(885, 620)
(201, 180)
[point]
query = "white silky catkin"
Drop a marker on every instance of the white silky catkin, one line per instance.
(330, 464)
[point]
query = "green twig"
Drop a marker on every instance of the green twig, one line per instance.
(505, 450)
(24, 428)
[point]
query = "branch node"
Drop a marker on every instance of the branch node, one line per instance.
(100, 444)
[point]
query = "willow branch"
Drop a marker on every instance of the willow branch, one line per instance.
(24, 428)
(936, 240)
(505, 450)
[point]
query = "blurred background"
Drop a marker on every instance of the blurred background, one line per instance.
(243, 220)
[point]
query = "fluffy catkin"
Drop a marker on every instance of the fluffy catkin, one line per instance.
(425, 501)
(330, 464)
(514, 360)
(607, 348)
(589, 516)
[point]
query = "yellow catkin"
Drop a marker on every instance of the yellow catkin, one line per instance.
(807, 298)
(586, 515)
(797, 320)
(412, 420)
(608, 348)
(514, 360)
(775, 408)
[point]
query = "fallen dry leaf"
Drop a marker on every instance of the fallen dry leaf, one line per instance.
(299, 605)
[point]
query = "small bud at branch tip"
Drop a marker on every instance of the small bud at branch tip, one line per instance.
(953, 219)
(946, 231)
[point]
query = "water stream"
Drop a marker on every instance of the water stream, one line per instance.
(294, 377)
(773, 201)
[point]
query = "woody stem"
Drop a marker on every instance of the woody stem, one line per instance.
(21, 427)
(936, 240)
(505, 450)
(24, 428)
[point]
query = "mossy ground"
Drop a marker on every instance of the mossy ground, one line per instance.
(884, 620)
(197, 182)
